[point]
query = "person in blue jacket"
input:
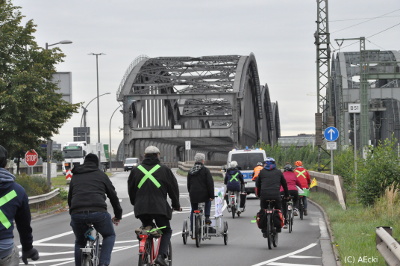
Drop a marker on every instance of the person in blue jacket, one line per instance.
(14, 207)
(234, 183)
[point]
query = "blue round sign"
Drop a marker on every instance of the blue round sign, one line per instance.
(331, 134)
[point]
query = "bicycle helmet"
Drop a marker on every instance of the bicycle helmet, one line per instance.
(260, 163)
(298, 163)
(270, 160)
(288, 167)
(233, 164)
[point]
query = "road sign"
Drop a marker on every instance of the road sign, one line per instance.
(68, 176)
(331, 145)
(31, 157)
(331, 134)
(187, 145)
(354, 108)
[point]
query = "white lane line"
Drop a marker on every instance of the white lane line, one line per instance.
(304, 257)
(291, 264)
(285, 256)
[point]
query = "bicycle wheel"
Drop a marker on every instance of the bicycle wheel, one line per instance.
(185, 232)
(269, 230)
(225, 232)
(301, 209)
(290, 220)
(233, 211)
(144, 257)
(198, 231)
(169, 254)
(86, 260)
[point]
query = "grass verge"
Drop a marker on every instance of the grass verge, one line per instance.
(354, 229)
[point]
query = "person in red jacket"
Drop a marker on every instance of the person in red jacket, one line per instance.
(292, 182)
(305, 180)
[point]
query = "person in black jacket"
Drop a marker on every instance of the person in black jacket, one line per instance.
(14, 206)
(148, 186)
(268, 185)
(234, 183)
(200, 185)
(87, 204)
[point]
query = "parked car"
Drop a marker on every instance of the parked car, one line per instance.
(130, 163)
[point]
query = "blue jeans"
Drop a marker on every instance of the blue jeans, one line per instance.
(12, 259)
(103, 224)
(195, 206)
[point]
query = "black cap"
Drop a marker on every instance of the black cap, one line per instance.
(92, 158)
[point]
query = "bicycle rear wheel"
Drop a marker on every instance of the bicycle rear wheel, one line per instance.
(275, 238)
(185, 232)
(86, 260)
(269, 230)
(198, 231)
(144, 257)
(290, 221)
(301, 208)
(233, 211)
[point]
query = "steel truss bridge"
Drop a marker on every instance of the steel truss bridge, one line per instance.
(382, 71)
(215, 102)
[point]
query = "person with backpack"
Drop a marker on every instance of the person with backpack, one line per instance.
(234, 183)
(305, 180)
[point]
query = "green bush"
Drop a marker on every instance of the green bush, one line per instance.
(344, 167)
(33, 185)
(377, 172)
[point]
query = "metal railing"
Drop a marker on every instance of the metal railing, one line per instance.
(44, 197)
(387, 245)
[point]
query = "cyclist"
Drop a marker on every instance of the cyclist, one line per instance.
(305, 180)
(257, 170)
(291, 181)
(14, 206)
(234, 182)
(148, 186)
(86, 201)
(200, 185)
(268, 185)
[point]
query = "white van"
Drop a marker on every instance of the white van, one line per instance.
(130, 163)
(247, 159)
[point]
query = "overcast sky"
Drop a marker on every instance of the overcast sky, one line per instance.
(278, 32)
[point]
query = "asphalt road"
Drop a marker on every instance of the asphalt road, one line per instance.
(308, 244)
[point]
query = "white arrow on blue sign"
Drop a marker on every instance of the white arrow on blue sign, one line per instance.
(331, 134)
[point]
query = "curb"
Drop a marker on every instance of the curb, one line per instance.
(333, 254)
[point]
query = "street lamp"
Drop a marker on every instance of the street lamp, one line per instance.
(98, 102)
(109, 134)
(49, 141)
(85, 111)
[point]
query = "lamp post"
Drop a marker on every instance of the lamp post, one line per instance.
(98, 102)
(109, 134)
(50, 141)
(85, 111)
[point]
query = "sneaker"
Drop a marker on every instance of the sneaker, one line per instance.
(285, 226)
(160, 260)
(296, 212)
(305, 212)
(208, 221)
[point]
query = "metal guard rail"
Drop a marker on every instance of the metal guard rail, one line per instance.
(44, 197)
(387, 245)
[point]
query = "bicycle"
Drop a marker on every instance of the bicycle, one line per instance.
(270, 231)
(91, 252)
(289, 213)
(149, 246)
(234, 206)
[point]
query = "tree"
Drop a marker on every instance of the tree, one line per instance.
(31, 107)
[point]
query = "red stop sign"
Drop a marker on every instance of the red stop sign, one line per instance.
(31, 157)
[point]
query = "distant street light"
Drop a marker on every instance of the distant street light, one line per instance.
(109, 134)
(98, 102)
(85, 111)
(49, 141)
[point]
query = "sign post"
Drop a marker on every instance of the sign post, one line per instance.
(355, 108)
(187, 147)
(331, 134)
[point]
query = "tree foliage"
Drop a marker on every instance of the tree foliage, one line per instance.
(31, 106)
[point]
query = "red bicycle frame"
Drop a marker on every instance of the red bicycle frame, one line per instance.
(154, 247)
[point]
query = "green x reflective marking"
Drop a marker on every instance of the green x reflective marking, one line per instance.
(3, 200)
(148, 175)
(234, 177)
(301, 173)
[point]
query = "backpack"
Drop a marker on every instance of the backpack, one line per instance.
(233, 185)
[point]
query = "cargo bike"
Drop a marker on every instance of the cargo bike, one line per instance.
(201, 230)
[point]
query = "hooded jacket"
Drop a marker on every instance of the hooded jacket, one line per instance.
(148, 194)
(269, 182)
(15, 207)
(230, 172)
(88, 189)
(303, 176)
(200, 183)
(291, 180)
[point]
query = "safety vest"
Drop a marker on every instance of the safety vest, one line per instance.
(148, 175)
(256, 171)
(298, 173)
(234, 178)
(3, 200)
